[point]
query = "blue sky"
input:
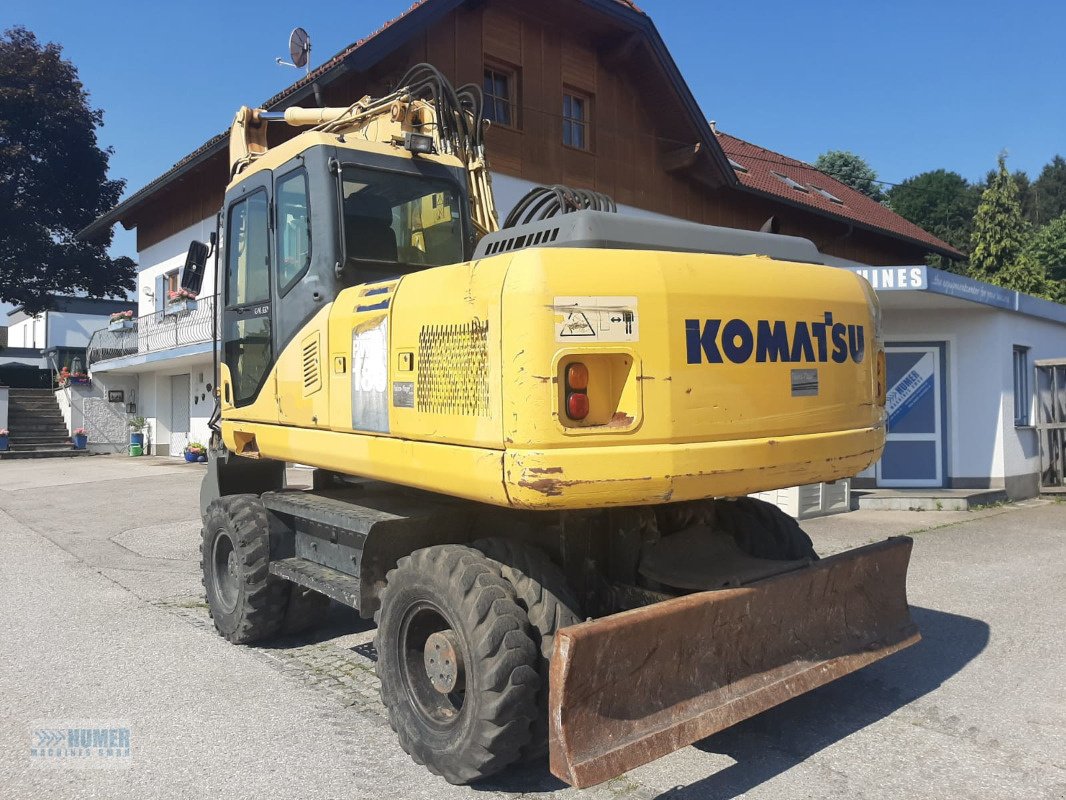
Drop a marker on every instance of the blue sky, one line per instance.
(908, 85)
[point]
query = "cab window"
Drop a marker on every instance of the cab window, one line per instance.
(293, 228)
(396, 223)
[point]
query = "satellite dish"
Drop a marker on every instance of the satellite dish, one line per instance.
(299, 47)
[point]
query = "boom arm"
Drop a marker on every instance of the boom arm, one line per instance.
(425, 112)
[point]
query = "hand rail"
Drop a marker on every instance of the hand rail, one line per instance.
(179, 324)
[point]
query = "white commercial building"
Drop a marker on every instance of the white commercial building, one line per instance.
(961, 373)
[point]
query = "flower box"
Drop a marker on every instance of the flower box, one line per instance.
(178, 306)
(80, 438)
(120, 325)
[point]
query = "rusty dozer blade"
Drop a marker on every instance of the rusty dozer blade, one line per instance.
(632, 687)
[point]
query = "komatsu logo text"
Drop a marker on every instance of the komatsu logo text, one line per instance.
(716, 341)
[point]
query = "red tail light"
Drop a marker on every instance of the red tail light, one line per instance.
(577, 384)
(577, 405)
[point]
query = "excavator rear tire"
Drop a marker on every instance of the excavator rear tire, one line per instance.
(449, 602)
(763, 530)
(246, 602)
(543, 592)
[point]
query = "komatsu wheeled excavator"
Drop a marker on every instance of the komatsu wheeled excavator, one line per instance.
(533, 445)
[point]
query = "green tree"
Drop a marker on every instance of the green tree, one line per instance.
(1049, 191)
(1026, 198)
(53, 180)
(1000, 234)
(851, 170)
(942, 203)
(1047, 249)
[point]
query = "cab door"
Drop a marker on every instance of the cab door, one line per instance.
(247, 384)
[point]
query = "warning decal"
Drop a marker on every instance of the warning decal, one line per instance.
(596, 319)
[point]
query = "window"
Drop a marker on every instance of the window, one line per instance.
(501, 104)
(170, 283)
(832, 198)
(737, 166)
(248, 251)
(1022, 398)
(396, 223)
(799, 187)
(293, 228)
(576, 116)
(248, 350)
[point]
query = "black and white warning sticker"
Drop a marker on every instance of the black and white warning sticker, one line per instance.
(596, 319)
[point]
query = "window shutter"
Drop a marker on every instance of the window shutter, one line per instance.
(160, 292)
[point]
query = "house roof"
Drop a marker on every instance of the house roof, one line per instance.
(765, 172)
(367, 51)
(760, 163)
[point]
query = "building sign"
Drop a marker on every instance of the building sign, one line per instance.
(923, 279)
(894, 278)
(912, 386)
(960, 286)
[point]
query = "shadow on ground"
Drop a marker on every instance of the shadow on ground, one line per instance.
(777, 740)
(341, 621)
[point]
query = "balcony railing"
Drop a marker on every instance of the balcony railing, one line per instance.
(153, 333)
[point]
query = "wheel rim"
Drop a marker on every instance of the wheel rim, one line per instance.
(429, 646)
(227, 571)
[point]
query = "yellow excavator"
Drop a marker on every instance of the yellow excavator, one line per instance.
(533, 445)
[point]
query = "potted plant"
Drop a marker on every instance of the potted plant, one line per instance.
(180, 300)
(137, 426)
(3, 439)
(121, 321)
(80, 437)
(68, 378)
(194, 451)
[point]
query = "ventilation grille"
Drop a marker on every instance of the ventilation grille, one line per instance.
(311, 364)
(453, 369)
(523, 240)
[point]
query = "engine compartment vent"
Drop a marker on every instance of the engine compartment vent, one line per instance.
(312, 371)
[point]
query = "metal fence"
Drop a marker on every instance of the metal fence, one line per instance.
(163, 330)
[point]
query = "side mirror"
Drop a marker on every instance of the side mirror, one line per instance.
(192, 275)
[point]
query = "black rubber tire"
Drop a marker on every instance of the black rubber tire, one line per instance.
(491, 725)
(306, 610)
(763, 530)
(249, 604)
(545, 595)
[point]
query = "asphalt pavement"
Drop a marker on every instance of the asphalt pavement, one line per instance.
(104, 628)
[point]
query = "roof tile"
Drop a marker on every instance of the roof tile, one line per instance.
(761, 164)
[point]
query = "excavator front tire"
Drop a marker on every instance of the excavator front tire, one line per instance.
(246, 602)
(457, 663)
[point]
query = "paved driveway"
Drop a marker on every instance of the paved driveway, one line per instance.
(103, 623)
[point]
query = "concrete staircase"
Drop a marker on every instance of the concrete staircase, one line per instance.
(37, 427)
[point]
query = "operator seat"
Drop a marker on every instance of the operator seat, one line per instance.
(368, 233)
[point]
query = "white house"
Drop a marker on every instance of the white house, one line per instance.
(37, 344)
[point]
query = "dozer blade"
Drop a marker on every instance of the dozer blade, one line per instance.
(632, 687)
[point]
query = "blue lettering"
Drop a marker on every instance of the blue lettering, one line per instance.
(840, 344)
(737, 329)
(856, 343)
(802, 349)
(700, 343)
(773, 342)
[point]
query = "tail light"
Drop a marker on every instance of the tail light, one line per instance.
(577, 384)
